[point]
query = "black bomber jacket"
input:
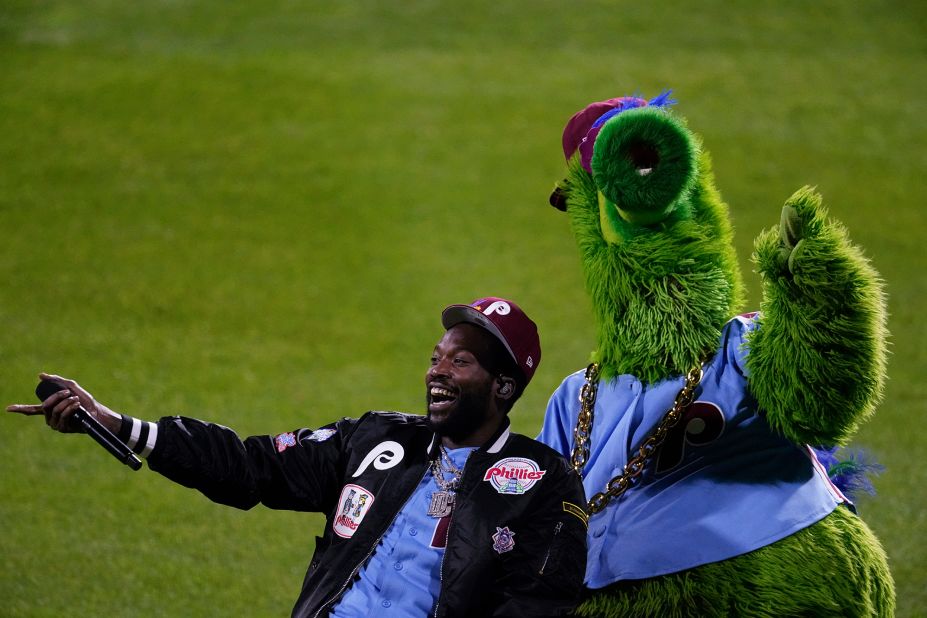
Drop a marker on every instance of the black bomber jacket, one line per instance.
(360, 473)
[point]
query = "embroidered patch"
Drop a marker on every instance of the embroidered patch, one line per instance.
(321, 435)
(285, 441)
(355, 501)
(575, 509)
(513, 475)
(503, 540)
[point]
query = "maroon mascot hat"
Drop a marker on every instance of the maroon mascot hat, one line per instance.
(582, 129)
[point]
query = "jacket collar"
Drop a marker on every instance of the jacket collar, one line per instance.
(493, 445)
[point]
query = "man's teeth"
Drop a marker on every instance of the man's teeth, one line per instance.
(440, 392)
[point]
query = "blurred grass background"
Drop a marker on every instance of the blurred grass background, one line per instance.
(253, 213)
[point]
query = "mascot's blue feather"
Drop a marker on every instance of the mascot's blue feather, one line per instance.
(661, 100)
(850, 470)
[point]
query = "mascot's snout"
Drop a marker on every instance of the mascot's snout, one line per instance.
(644, 164)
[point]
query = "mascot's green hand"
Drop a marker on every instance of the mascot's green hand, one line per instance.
(789, 236)
(801, 219)
(817, 361)
(779, 252)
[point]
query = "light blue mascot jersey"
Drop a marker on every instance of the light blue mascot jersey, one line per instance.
(722, 484)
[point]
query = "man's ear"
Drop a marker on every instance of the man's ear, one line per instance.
(505, 387)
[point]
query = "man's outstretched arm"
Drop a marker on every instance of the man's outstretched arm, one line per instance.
(212, 458)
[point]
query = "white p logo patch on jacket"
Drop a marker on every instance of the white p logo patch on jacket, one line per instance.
(384, 456)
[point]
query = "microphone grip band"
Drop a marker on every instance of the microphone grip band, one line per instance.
(107, 440)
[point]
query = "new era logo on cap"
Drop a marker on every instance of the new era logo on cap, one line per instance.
(507, 322)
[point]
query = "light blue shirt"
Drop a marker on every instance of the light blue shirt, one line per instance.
(723, 482)
(403, 576)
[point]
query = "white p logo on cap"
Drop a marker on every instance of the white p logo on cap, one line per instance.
(500, 306)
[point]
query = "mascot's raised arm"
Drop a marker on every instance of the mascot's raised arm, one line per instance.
(693, 426)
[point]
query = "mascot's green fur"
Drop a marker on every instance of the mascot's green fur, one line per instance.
(655, 242)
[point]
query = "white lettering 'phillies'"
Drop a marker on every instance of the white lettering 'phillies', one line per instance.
(499, 306)
(513, 475)
(384, 456)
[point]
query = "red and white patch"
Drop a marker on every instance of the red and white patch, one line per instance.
(354, 503)
(514, 475)
(285, 441)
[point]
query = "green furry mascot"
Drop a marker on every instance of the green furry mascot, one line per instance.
(690, 428)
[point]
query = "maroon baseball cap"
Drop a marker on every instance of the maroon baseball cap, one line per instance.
(576, 133)
(507, 322)
(583, 127)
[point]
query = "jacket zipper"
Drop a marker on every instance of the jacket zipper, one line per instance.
(550, 548)
(450, 526)
(373, 548)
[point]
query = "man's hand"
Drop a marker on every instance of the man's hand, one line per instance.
(59, 408)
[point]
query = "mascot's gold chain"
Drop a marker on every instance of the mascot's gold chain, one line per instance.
(584, 420)
(635, 466)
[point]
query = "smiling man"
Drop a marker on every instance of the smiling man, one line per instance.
(450, 514)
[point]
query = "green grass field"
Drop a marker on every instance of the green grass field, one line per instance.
(253, 213)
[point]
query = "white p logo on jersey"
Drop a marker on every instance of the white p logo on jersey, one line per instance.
(500, 306)
(384, 456)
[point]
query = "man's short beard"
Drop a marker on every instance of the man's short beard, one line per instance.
(468, 416)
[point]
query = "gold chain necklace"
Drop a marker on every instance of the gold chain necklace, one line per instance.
(635, 466)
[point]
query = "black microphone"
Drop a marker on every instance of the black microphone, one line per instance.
(92, 426)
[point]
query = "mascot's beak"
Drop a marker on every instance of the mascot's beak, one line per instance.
(558, 198)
